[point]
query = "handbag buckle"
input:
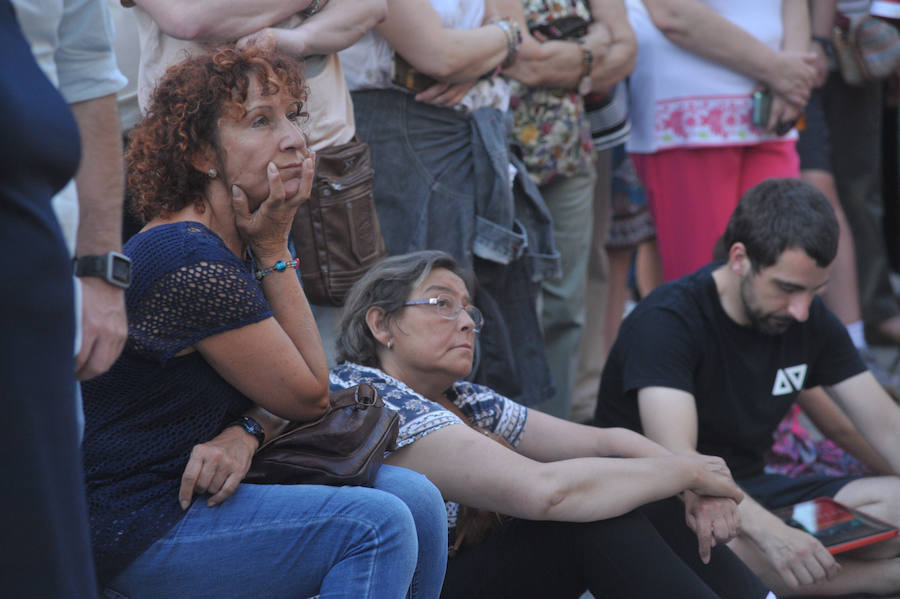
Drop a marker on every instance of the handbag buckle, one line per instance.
(365, 401)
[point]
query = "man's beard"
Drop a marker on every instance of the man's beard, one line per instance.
(767, 324)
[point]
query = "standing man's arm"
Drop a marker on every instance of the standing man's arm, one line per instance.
(88, 79)
(669, 417)
(100, 196)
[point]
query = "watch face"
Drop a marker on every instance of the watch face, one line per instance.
(121, 270)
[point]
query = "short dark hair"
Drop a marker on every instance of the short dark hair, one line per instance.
(386, 285)
(782, 214)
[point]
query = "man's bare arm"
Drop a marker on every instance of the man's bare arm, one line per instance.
(873, 412)
(99, 182)
(836, 426)
(669, 417)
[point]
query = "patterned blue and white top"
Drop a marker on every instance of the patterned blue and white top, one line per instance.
(419, 416)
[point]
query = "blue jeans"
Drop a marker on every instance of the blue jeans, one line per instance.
(298, 541)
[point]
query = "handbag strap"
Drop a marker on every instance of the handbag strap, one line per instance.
(362, 396)
(447, 403)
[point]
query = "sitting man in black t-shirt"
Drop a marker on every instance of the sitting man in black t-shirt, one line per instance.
(710, 363)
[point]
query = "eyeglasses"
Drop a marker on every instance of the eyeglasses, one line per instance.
(448, 307)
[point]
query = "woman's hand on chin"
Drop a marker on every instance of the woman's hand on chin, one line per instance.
(266, 228)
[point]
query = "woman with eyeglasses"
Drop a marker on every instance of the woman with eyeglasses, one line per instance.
(569, 520)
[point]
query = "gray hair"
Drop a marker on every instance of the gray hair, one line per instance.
(386, 285)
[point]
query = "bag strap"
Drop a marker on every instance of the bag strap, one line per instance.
(363, 396)
(447, 403)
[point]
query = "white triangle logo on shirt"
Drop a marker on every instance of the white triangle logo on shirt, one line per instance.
(788, 380)
(797, 374)
(782, 385)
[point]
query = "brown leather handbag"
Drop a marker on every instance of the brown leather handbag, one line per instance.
(336, 232)
(344, 446)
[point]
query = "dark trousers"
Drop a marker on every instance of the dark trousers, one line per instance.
(642, 555)
(854, 120)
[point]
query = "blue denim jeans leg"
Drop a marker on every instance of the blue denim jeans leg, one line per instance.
(281, 541)
(429, 512)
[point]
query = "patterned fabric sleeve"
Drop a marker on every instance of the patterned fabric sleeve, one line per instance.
(189, 287)
(418, 415)
(491, 411)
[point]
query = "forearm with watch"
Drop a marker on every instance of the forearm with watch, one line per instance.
(103, 271)
(260, 424)
(821, 18)
(100, 186)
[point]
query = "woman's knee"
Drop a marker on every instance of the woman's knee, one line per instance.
(422, 498)
(391, 518)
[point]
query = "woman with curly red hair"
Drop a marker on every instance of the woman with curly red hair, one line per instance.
(221, 339)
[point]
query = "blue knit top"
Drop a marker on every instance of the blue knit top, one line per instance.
(144, 416)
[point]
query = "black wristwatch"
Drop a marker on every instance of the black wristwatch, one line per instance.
(112, 267)
(827, 46)
(251, 426)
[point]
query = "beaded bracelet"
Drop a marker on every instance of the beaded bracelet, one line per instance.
(280, 266)
(513, 40)
(314, 7)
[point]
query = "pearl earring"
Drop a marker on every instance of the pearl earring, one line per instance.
(390, 344)
(213, 173)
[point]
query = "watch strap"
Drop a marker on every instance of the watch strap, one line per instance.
(827, 45)
(112, 267)
(251, 426)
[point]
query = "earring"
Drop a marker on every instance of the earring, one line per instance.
(213, 173)
(390, 344)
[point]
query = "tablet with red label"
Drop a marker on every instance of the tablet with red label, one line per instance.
(838, 527)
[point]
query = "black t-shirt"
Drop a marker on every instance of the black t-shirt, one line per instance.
(743, 381)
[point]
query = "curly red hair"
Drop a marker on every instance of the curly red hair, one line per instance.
(183, 121)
